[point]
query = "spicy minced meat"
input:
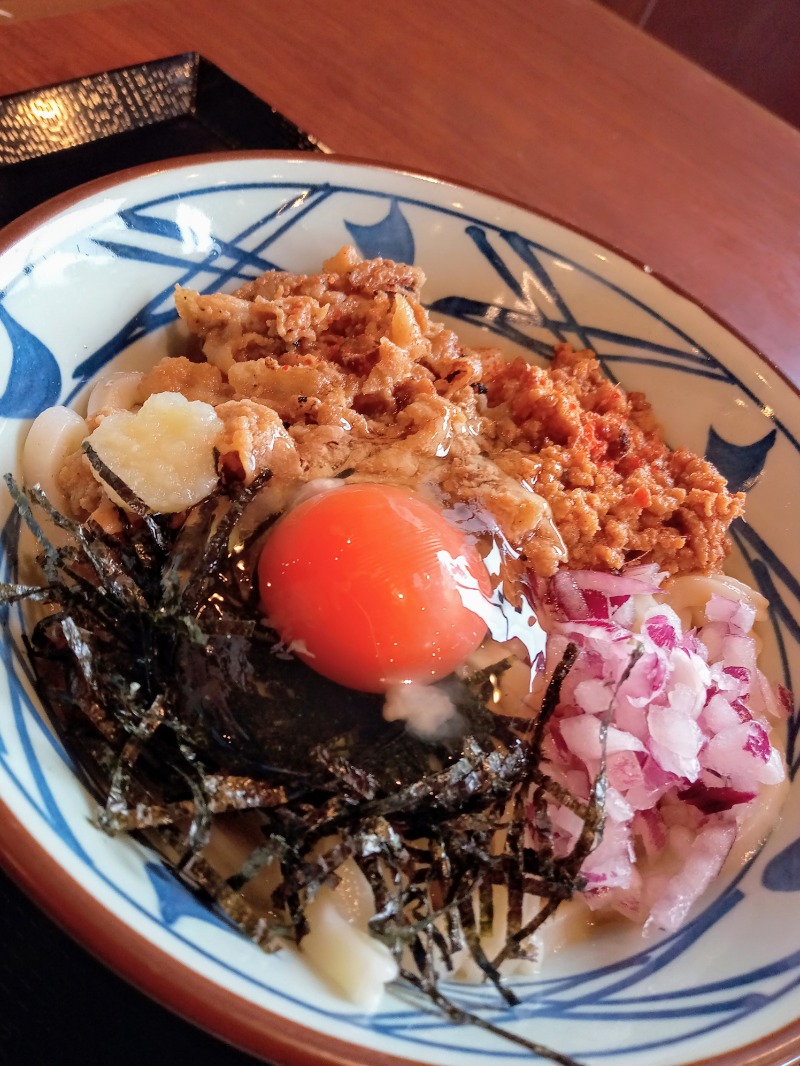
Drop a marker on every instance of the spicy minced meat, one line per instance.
(315, 374)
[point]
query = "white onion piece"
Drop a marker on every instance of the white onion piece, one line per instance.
(356, 963)
(55, 434)
(689, 593)
(707, 852)
(164, 452)
(117, 392)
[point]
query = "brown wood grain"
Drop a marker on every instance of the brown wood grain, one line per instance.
(636, 11)
(751, 44)
(559, 104)
(20, 10)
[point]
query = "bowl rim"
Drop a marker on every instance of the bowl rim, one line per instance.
(144, 964)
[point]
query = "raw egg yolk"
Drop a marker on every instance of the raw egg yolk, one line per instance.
(362, 583)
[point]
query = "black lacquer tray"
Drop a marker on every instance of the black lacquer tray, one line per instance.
(60, 136)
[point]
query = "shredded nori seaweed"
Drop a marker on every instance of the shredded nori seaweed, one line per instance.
(180, 707)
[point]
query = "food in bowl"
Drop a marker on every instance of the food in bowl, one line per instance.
(394, 648)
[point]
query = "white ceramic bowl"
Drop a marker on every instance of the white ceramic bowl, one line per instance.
(87, 281)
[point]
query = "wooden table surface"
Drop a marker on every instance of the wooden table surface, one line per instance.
(555, 103)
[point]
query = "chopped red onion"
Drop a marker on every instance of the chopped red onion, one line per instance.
(687, 748)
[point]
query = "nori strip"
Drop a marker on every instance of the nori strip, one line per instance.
(178, 707)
